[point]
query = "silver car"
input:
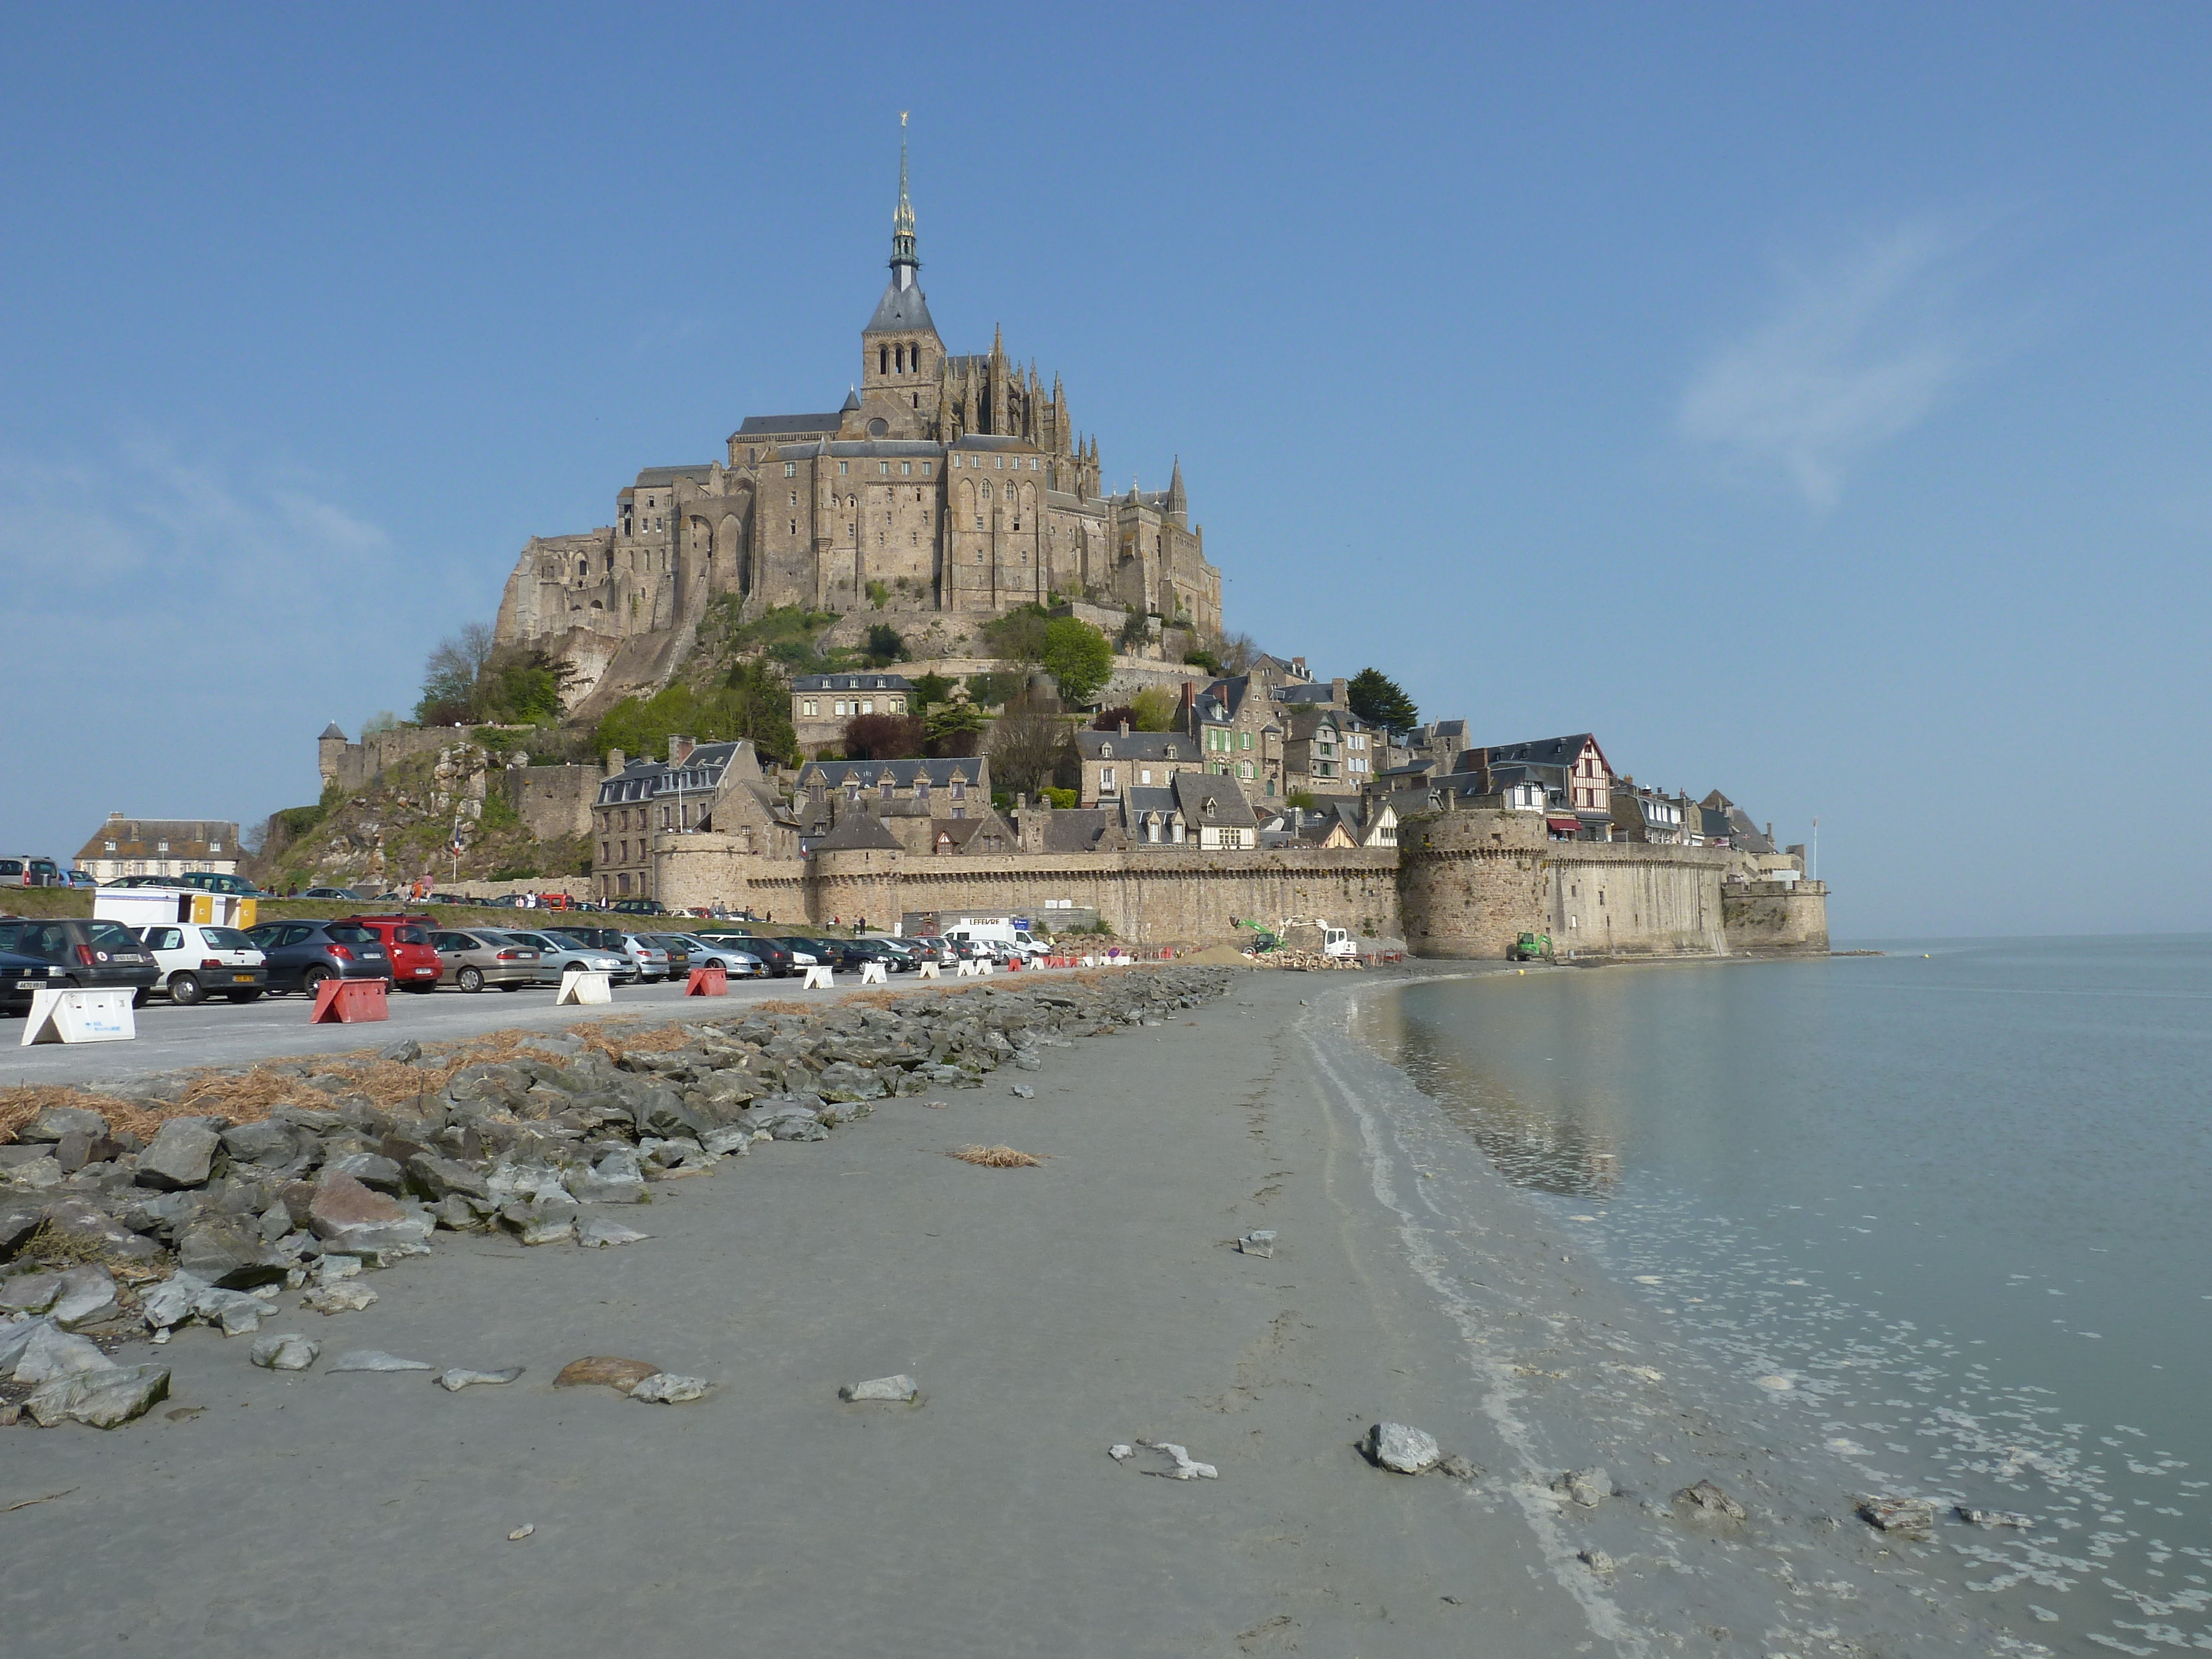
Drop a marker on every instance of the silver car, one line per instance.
(652, 960)
(555, 957)
(712, 953)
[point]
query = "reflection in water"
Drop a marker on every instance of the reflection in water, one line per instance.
(1949, 1206)
(1570, 1148)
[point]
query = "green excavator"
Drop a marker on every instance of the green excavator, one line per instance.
(1530, 947)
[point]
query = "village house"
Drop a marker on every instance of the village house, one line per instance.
(1114, 763)
(1649, 816)
(159, 847)
(1566, 778)
(821, 704)
(1327, 750)
(700, 787)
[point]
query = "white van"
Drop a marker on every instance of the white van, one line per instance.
(999, 930)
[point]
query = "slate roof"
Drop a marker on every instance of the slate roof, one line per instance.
(1076, 829)
(1546, 751)
(859, 832)
(771, 426)
(654, 476)
(332, 731)
(648, 779)
(1197, 791)
(852, 683)
(1136, 745)
(140, 838)
(900, 308)
(940, 773)
(994, 441)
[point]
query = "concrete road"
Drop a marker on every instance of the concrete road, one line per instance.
(221, 1034)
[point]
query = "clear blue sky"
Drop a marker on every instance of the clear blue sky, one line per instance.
(1811, 400)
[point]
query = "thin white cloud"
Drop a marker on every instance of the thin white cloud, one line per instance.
(148, 532)
(1854, 356)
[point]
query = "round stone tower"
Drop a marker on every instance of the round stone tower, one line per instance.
(1470, 883)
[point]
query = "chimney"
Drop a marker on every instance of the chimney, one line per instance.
(679, 750)
(1451, 800)
(1298, 666)
(616, 762)
(1340, 691)
(1125, 728)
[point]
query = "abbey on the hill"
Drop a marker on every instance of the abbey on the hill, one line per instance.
(944, 483)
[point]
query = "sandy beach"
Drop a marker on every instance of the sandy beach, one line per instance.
(1048, 1313)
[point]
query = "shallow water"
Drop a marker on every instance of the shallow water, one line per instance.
(1947, 1209)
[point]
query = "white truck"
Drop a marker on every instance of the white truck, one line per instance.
(1013, 931)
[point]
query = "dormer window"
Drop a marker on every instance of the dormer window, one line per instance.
(1105, 751)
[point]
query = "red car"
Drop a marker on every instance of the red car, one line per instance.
(415, 964)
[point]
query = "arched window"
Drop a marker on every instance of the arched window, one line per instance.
(883, 360)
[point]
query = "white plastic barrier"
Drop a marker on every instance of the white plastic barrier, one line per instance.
(584, 985)
(872, 973)
(72, 1015)
(966, 969)
(819, 979)
(928, 970)
(984, 967)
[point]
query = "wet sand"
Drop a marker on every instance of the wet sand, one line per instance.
(1047, 1313)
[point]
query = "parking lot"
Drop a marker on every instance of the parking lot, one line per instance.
(276, 1028)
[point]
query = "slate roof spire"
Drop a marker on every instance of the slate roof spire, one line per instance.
(903, 261)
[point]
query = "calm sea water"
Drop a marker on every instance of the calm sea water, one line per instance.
(1954, 1208)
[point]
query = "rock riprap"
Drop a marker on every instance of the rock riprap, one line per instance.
(537, 1146)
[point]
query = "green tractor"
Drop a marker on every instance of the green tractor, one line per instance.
(1530, 947)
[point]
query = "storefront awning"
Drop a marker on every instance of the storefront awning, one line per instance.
(1571, 825)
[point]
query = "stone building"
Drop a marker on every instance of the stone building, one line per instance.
(159, 847)
(944, 483)
(701, 788)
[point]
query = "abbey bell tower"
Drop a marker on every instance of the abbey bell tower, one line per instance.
(901, 356)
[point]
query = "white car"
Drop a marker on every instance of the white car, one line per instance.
(198, 960)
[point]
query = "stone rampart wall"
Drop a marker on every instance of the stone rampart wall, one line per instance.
(554, 802)
(1772, 915)
(1461, 884)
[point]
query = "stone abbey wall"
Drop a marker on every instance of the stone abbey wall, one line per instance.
(1460, 884)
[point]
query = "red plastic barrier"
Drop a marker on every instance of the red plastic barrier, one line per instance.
(708, 983)
(350, 1001)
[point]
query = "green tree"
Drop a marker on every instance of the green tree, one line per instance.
(885, 646)
(1381, 700)
(930, 689)
(1136, 631)
(1078, 656)
(951, 726)
(1021, 635)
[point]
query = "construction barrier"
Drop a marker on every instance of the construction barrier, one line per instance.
(966, 969)
(928, 970)
(819, 979)
(708, 983)
(350, 1002)
(984, 966)
(73, 1016)
(872, 973)
(583, 985)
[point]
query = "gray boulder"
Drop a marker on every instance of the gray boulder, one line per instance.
(87, 1296)
(371, 1169)
(52, 1123)
(104, 1400)
(49, 1353)
(19, 1219)
(289, 1351)
(347, 1214)
(29, 1292)
(268, 1143)
(181, 1154)
(436, 1177)
(229, 1251)
(1396, 1446)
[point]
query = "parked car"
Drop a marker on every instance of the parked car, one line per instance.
(733, 960)
(21, 976)
(899, 956)
(481, 956)
(90, 955)
(652, 959)
(415, 962)
(774, 956)
(933, 947)
(301, 955)
(348, 895)
(804, 953)
(214, 881)
(609, 939)
(197, 961)
(27, 871)
(80, 879)
(556, 955)
(638, 906)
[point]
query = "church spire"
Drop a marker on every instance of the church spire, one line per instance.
(903, 261)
